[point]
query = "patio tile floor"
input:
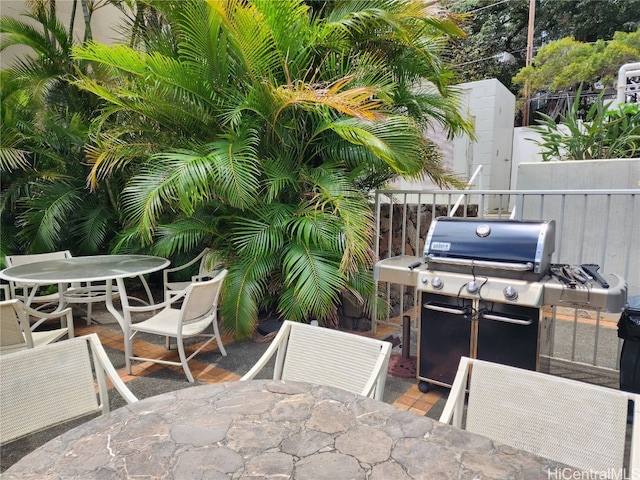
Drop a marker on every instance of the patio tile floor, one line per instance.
(411, 399)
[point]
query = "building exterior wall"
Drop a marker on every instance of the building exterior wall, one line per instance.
(592, 232)
(491, 108)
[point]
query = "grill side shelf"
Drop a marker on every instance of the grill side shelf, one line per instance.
(398, 270)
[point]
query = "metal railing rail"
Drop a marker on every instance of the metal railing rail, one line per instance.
(592, 226)
(470, 184)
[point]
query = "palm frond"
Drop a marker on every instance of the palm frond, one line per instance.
(185, 235)
(357, 102)
(44, 216)
(245, 286)
(93, 228)
(280, 175)
(350, 207)
(313, 278)
(250, 39)
(256, 237)
(394, 140)
(13, 158)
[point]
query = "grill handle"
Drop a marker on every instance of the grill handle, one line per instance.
(519, 267)
(438, 308)
(500, 318)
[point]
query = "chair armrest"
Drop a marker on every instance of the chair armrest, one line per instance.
(167, 271)
(100, 354)
(205, 275)
(66, 322)
(266, 356)
(38, 313)
(452, 413)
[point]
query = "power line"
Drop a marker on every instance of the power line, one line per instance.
(488, 6)
(485, 7)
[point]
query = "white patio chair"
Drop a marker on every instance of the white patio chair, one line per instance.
(30, 293)
(572, 422)
(45, 386)
(205, 272)
(16, 332)
(198, 311)
(327, 357)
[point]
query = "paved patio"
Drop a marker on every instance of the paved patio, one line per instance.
(149, 379)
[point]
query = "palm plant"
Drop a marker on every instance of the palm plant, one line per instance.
(45, 125)
(259, 127)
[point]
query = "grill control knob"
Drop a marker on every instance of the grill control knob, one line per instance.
(437, 283)
(510, 293)
(472, 286)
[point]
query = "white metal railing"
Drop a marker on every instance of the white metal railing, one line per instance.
(592, 226)
(470, 184)
(628, 86)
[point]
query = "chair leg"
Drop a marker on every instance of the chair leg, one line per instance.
(89, 309)
(183, 360)
(128, 350)
(216, 332)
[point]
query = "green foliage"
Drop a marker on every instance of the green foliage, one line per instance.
(566, 63)
(258, 128)
(603, 133)
(44, 128)
(494, 27)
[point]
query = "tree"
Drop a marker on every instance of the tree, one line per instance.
(259, 127)
(586, 20)
(495, 27)
(562, 67)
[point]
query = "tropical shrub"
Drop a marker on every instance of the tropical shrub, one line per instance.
(604, 133)
(258, 128)
(44, 128)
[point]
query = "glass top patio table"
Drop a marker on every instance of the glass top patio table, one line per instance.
(84, 269)
(95, 268)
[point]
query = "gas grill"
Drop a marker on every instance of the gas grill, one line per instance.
(483, 284)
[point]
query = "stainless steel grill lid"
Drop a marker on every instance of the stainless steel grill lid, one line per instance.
(511, 245)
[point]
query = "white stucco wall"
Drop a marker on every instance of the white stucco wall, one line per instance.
(579, 175)
(491, 107)
(524, 150)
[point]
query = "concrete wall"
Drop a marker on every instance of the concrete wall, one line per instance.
(491, 107)
(525, 150)
(601, 229)
(579, 175)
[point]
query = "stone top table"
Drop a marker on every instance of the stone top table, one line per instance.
(271, 429)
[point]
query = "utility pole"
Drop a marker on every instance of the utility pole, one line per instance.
(532, 16)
